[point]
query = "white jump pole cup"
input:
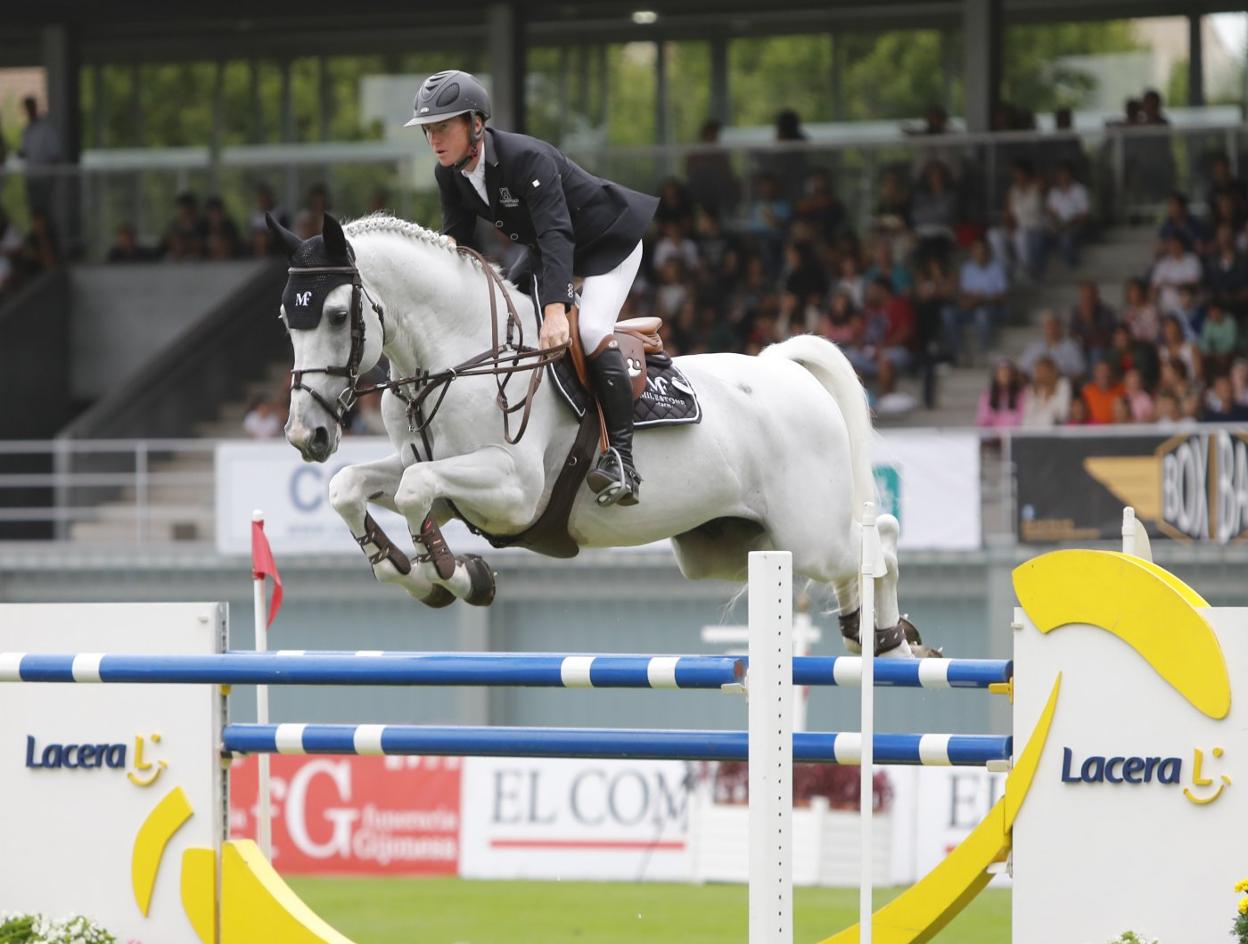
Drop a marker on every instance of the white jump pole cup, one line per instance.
(264, 815)
(769, 686)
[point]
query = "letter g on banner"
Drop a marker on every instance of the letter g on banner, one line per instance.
(339, 842)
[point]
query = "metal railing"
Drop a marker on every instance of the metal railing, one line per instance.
(151, 492)
(1130, 170)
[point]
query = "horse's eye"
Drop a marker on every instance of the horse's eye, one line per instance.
(337, 318)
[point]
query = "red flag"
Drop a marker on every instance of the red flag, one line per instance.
(263, 565)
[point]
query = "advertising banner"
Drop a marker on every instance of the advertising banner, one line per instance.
(355, 815)
(575, 819)
(929, 479)
(1190, 486)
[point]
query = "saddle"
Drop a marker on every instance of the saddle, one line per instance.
(635, 337)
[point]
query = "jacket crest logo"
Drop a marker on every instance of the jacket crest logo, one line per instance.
(506, 199)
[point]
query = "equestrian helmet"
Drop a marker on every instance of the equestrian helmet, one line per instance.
(447, 94)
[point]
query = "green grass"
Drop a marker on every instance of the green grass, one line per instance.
(456, 911)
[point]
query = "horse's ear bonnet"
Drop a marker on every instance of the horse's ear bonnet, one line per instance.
(305, 292)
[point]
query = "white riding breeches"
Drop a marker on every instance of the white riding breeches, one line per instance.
(602, 297)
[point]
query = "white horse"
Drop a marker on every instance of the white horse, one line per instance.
(781, 458)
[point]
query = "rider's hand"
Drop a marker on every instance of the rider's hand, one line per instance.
(554, 326)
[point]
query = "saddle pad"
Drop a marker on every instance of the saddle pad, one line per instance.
(668, 400)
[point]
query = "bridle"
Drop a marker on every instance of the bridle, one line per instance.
(351, 369)
(500, 361)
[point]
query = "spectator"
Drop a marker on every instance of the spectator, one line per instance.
(820, 208)
(1121, 412)
(712, 184)
(1064, 353)
(184, 238)
(126, 247)
(981, 299)
(1064, 147)
(1001, 406)
(263, 419)
(1067, 209)
(1189, 312)
(1226, 272)
(263, 242)
(1177, 268)
(1122, 350)
(672, 292)
(1078, 413)
(1091, 321)
(788, 162)
(883, 265)
(311, 219)
(1224, 183)
(40, 250)
(1219, 339)
(842, 323)
(1023, 230)
(1180, 222)
(1174, 380)
(1169, 411)
(717, 250)
(887, 341)
(936, 124)
(1239, 381)
(675, 244)
(850, 279)
(1100, 393)
(1139, 404)
(767, 220)
(1226, 209)
(1220, 405)
(1175, 346)
(221, 240)
(1150, 109)
(934, 212)
(1047, 400)
(804, 285)
(892, 211)
(1138, 313)
(936, 294)
(41, 150)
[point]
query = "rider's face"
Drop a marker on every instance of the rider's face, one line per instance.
(449, 140)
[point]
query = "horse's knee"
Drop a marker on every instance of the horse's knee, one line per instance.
(414, 496)
(345, 491)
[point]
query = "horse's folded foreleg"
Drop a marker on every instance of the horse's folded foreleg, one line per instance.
(350, 491)
(488, 481)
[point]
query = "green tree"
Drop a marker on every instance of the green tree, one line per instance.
(1034, 78)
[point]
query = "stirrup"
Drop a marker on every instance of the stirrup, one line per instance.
(613, 481)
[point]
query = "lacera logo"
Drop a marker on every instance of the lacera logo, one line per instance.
(1143, 770)
(75, 756)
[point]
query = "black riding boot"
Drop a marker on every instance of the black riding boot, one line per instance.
(614, 479)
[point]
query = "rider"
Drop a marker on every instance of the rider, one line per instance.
(575, 224)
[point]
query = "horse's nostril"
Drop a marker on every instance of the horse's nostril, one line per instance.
(320, 439)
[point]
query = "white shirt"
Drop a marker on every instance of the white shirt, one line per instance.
(476, 176)
(1027, 207)
(1070, 203)
(1043, 413)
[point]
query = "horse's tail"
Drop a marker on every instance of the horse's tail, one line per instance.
(832, 369)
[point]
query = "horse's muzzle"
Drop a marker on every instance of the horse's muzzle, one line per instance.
(315, 445)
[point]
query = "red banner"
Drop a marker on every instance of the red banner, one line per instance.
(355, 815)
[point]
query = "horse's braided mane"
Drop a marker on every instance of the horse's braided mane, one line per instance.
(382, 222)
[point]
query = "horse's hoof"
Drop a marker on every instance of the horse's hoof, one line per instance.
(438, 597)
(481, 580)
